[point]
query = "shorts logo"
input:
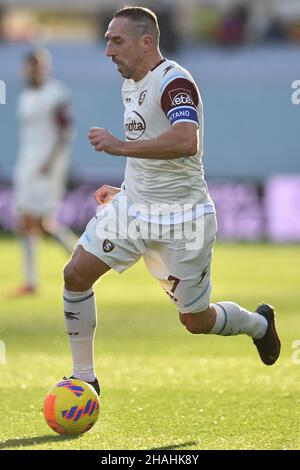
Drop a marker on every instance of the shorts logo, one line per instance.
(142, 97)
(180, 97)
(204, 272)
(107, 246)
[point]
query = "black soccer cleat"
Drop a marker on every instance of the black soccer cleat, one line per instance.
(94, 384)
(269, 345)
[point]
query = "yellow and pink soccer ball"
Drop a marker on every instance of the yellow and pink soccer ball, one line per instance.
(71, 407)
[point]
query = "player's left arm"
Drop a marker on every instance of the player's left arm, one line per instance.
(64, 123)
(179, 141)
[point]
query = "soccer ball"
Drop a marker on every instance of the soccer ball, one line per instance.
(71, 407)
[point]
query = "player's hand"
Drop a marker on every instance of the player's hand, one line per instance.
(105, 194)
(104, 141)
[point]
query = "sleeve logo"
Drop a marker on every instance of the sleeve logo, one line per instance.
(181, 97)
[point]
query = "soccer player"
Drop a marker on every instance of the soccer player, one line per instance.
(163, 124)
(43, 111)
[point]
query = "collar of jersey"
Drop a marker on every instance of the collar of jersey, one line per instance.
(146, 77)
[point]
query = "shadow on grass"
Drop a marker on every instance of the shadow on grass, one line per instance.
(180, 445)
(31, 441)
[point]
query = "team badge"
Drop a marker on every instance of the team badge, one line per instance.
(142, 97)
(107, 246)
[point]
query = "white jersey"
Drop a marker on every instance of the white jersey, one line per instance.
(42, 113)
(120, 234)
(37, 114)
(166, 95)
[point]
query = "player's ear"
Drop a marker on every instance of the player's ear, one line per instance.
(147, 42)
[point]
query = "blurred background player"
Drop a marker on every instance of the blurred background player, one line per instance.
(43, 112)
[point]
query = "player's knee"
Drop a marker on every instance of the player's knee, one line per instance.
(69, 274)
(74, 280)
(27, 225)
(195, 328)
(198, 323)
(48, 225)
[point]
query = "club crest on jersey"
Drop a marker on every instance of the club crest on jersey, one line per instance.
(142, 97)
(107, 246)
(180, 97)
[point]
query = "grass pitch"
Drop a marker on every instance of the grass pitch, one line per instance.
(161, 386)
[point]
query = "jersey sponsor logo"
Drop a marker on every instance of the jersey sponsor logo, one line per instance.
(142, 97)
(135, 126)
(107, 246)
(183, 113)
(180, 97)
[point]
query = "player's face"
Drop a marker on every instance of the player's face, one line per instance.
(35, 73)
(124, 46)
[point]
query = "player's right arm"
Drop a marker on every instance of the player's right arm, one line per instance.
(179, 141)
(105, 194)
(179, 102)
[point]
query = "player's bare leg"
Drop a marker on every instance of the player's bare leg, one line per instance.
(28, 231)
(228, 319)
(197, 323)
(60, 232)
(80, 274)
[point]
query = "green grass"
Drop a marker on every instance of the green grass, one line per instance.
(161, 386)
